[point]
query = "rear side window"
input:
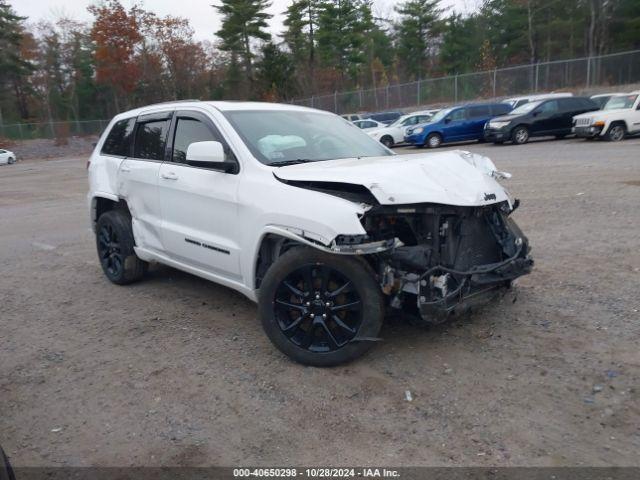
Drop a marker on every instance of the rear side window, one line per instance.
(188, 131)
(118, 142)
(479, 111)
(151, 139)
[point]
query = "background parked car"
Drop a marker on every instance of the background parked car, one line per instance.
(352, 117)
(538, 119)
(515, 102)
(619, 117)
(394, 133)
(602, 98)
(368, 124)
(7, 157)
(384, 117)
(455, 124)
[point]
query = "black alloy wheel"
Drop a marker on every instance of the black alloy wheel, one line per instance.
(318, 309)
(115, 245)
(109, 251)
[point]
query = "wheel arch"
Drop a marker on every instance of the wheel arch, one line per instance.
(616, 122)
(101, 203)
(275, 241)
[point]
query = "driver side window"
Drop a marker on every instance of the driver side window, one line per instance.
(458, 115)
(188, 131)
(549, 107)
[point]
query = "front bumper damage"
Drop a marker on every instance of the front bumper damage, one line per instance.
(446, 260)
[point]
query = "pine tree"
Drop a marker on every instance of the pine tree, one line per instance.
(13, 68)
(243, 20)
(300, 24)
(342, 28)
(275, 73)
(417, 30)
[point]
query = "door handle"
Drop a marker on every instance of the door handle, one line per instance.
(125, 169)
(169, 176)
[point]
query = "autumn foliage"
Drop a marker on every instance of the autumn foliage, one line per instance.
(115, 33)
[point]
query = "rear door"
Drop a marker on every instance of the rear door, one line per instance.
(199, 205)
(569, 107)
(138, 177)
(478, 116)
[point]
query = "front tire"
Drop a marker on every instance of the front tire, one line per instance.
(520, 135)
(11, 160)
(387, 141)
(434, 140)
(114, 242)
(320, 309)
(616, 132)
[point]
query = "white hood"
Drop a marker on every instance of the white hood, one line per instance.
(450, 178)
(604, 114)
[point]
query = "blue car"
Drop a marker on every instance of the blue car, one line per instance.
(455, 124)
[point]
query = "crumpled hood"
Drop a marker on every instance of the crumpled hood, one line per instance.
(449, 178)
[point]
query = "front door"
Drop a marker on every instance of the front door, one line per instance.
(457, 125)
(547, 118)
(199, 205)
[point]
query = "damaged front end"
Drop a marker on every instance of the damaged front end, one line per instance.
(438, 260)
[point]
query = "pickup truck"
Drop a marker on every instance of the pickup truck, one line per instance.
(619, 118)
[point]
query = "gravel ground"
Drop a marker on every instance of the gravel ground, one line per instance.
(176, 370)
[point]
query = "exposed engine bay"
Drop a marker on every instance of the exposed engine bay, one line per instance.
(443, 259)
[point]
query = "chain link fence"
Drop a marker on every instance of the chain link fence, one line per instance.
(52, 130)
(580, 74)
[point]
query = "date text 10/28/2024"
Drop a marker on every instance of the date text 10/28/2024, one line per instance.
(315, 473)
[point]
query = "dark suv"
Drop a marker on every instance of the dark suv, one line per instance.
(553, 117)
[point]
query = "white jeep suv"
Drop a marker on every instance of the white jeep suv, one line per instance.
(618, 118)
(320, 224)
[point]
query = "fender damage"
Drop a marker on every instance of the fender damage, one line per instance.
(431, 257)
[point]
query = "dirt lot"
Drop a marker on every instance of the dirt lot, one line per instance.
(176, 371)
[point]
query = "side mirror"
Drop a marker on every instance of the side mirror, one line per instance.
(209, 155)
(535, 113)
(447, 120)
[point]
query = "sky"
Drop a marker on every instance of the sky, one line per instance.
(204, 19)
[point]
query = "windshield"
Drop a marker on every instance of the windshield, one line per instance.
(526, 108)
(280, 136)
(399, 121)
(625, 101)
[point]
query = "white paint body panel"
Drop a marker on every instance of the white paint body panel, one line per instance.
(445, 178)
(228, 215)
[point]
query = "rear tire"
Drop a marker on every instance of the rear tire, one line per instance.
(434, 140)
(616, 132)
(114, 242)
(320, 309)
(387, 141)
(520, 135)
